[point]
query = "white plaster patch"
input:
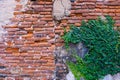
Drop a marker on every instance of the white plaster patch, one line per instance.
(6, 10)
(23, 2)
(6, 13)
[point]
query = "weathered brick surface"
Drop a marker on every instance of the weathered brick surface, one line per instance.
(27, 50)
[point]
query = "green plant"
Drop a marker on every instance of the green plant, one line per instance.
(104, 48)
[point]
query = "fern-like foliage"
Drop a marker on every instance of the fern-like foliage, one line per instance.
(104, 48)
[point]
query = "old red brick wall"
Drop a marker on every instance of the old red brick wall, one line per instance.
(29, 44)
(28, 50)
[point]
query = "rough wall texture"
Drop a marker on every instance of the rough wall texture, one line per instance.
(26, 53)
(84, 10)
(30, 46)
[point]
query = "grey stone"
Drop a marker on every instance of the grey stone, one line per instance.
(70, 76)
(74, 49)
(116, 76)
(82, 78)
(61, 8)
(108, 77)
(78, 49)
(62, 55)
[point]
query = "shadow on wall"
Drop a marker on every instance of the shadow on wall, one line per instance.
(78, 49)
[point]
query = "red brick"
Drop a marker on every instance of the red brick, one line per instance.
(12, 49)
(31, 40)
(18, 13)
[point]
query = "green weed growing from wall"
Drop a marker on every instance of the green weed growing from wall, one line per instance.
(103, 43)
